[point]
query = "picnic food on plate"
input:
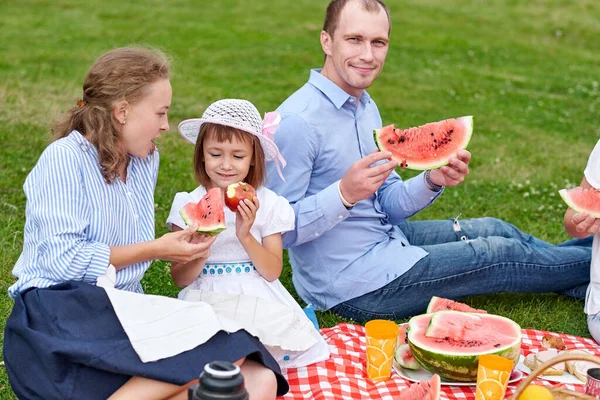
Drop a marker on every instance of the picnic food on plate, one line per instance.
(449, 343)
(237, 192)
(534, 360)
(440, 303)
(582, 200)
(577, 368)
(423, 390)
(207, 214)
(427, 146)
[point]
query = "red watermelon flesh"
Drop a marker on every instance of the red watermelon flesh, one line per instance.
(582, 200)
(464, 332)
(462, 328)
(423, 390)
(427, 146)
(208, 213)
(440, 304)
(402, 334)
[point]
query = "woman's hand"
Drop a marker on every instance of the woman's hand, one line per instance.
(185, 245)
(245, 216)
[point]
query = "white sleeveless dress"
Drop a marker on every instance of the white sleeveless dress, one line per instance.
(230, 283)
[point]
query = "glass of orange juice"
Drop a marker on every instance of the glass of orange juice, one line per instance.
(492, 377)
(381, 344)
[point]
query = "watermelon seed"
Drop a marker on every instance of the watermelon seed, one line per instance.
(402, 139)
(497, 345)
(431, 133)
(390, 141)
(451, 131)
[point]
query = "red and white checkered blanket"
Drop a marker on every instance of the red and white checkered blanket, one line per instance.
(343, 376)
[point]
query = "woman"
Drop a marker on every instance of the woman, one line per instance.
(90, 205)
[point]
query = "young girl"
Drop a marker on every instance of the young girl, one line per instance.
(582, 225)
(90, 209)
(232, 145)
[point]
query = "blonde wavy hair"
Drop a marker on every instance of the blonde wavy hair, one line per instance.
(120, 74)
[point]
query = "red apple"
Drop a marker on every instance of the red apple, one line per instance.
(237, 192)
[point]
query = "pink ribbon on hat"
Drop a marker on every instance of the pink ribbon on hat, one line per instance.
(270, 125)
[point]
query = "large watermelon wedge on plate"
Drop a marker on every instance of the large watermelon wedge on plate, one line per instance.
(208, 213)
(582, 200)
(449, 343)
(428, 146)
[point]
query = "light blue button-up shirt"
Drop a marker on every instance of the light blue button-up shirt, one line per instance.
(338, 254)
(73, 216)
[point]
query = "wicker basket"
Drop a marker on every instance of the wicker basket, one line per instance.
(559, 393)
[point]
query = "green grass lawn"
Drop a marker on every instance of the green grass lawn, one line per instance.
(528, 71)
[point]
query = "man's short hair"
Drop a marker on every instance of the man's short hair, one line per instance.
(335, 7)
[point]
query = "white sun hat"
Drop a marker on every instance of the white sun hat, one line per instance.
(239, 114)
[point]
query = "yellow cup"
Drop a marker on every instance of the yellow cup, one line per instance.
(381, 344)
(492, 377)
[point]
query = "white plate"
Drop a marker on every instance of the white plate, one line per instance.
(564, 378)
(422, 375)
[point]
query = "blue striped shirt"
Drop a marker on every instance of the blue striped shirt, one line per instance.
(73, 216)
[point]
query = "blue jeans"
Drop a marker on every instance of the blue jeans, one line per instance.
(476, 256)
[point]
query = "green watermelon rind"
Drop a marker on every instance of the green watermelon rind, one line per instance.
(468, 120)
(205, 230)
(564, 193)
(459, 367)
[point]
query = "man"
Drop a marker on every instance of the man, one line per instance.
(352, 250)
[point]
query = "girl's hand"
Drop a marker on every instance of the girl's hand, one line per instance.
(185, 245)
(584, 222)
(246, 214)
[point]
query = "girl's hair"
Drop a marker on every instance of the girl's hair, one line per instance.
(256, 173)
(120, 74)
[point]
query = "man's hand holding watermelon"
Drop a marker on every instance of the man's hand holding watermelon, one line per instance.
(363, 179)
(453, 173)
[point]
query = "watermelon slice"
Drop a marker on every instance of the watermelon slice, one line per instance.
(404, 357)
(207, 214)
(440, 303)
(423, 390)
(449, 343)
(428, 146)
(582, 200)
(402, 328)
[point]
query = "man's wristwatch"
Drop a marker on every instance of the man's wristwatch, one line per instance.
(430, 185)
